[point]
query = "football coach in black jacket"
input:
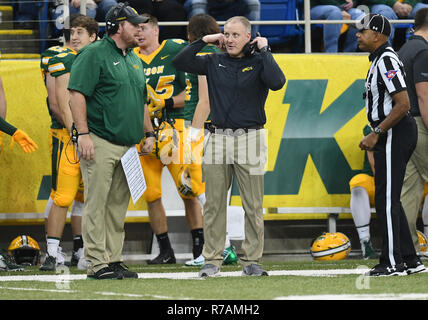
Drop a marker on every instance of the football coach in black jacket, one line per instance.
(238, 84)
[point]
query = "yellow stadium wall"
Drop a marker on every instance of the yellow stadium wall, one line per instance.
(21, 185)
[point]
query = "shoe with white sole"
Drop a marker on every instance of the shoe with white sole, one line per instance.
(414, 266)
(382, 270)
(199, 261)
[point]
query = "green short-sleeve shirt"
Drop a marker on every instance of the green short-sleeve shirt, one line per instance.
(162, 76)
(115, 90)
(45, 58)
(61, 63)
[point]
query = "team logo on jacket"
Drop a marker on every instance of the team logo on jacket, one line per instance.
(390, 74)
(247, 69)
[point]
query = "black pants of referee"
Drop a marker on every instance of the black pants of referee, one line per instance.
(391, 154)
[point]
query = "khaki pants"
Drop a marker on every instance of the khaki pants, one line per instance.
(243, 157)
(414, 180)
(106, 201)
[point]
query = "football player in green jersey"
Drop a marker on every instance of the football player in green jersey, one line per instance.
(83, 31)
(197, 98)
(55, 144)
(166, 88)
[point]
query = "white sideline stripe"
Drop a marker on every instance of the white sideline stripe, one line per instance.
(380, 296)
(187, 275)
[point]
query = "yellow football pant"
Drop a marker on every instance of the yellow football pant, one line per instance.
(67, 183)
(364, 181)
(170, 153)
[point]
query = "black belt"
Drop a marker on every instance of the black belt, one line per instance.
(231, 131)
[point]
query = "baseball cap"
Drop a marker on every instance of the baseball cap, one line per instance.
(375, 22)
(123, 12)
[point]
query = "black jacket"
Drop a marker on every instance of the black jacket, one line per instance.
(238, 87)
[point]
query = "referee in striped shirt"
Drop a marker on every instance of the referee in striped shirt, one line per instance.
(393, 140)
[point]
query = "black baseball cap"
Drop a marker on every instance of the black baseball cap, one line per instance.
(375, 22)
(123, 12)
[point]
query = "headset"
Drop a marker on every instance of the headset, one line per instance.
(111, 24)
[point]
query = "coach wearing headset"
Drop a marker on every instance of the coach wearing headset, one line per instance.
(238, 83)
(107, 95)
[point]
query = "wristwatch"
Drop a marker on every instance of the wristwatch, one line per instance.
(378, 130)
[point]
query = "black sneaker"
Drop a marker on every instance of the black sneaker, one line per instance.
(49, 264)
(7, 263)
(166, 257)
(367, 250)
(73, 261)
(106, 274)
(382, 270)
(414, 266)
(122, 269)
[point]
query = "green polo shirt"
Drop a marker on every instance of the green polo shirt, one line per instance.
(115, 90)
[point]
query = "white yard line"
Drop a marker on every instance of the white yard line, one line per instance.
(379, 296)
(64, 278)
(103, 293)
(189, 275)
(184, 275)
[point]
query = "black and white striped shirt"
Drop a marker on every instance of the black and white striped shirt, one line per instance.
(386, 76)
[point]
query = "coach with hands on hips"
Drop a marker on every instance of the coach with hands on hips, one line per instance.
(107, 99)
(393, 140)
(238, 84)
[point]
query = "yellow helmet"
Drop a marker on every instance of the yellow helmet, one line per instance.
(184, 183)
(331, 246)
(422, 242)
(25, 250)
(166, 145)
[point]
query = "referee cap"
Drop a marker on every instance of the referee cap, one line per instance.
(375, 22)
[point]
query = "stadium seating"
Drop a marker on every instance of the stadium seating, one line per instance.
(23, 28)
(280, 10)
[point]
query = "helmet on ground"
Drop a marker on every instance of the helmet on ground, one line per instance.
(25, 250)
(331, 246)
(422, 242)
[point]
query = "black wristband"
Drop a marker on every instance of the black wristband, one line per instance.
(82, 134)
(149, 134)
(169, 103)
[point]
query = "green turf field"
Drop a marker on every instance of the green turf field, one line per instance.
(288, 280)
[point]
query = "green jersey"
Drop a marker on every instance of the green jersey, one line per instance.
(162, 76)
(61, 63)
(44, 66)
(114, 87)
(47, 55)
(192, 87)
(367, 168)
